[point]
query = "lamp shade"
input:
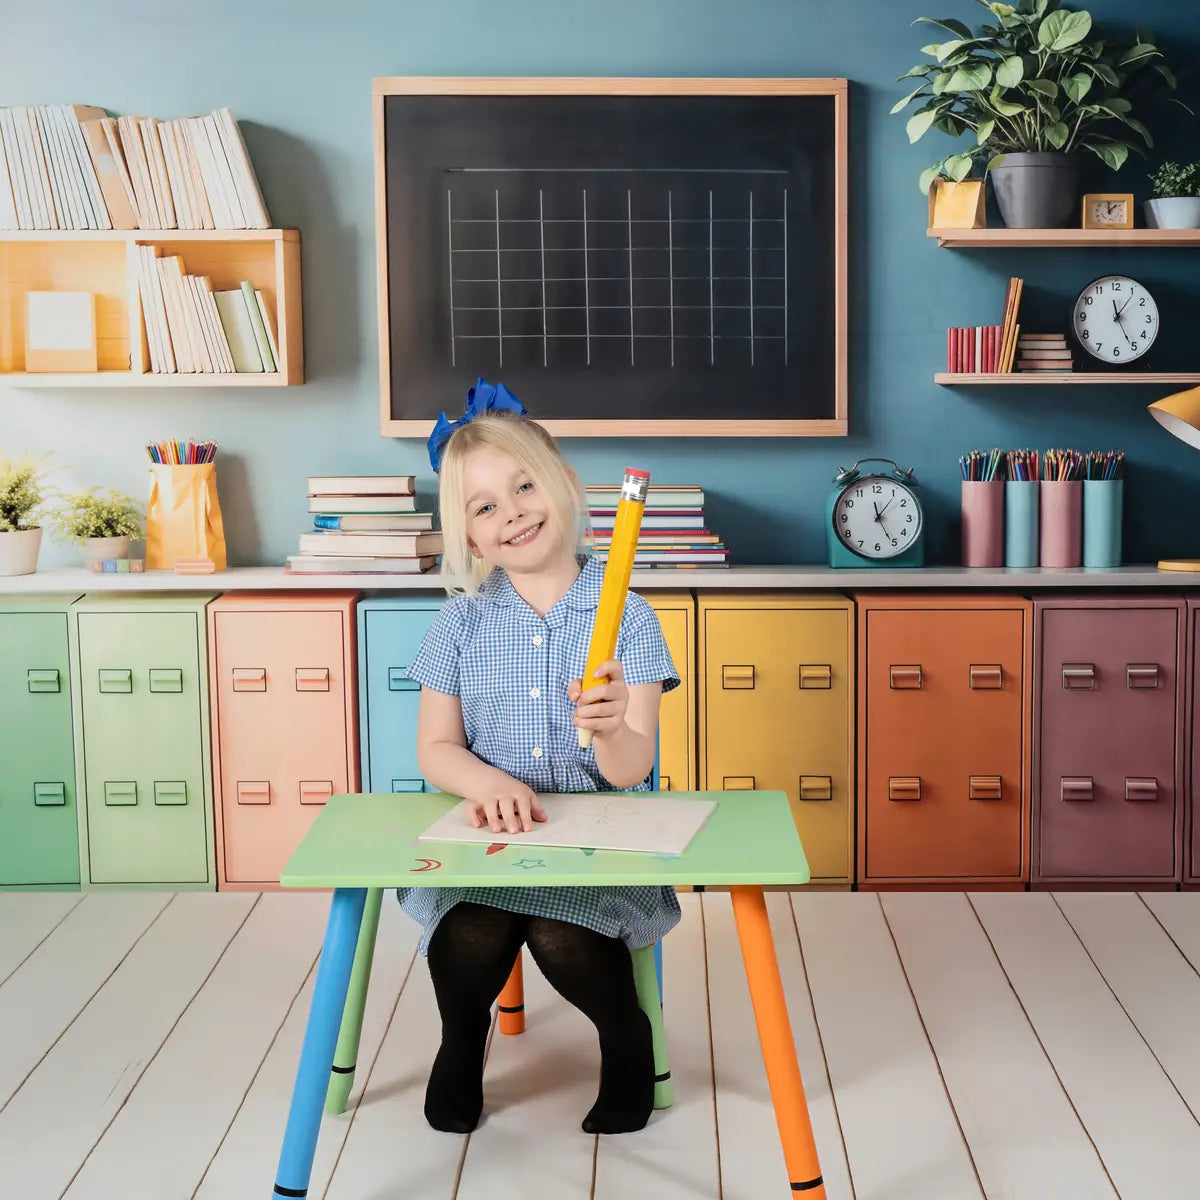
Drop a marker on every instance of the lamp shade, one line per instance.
(1180, 415)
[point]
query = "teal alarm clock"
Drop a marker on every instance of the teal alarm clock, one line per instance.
(874, 519)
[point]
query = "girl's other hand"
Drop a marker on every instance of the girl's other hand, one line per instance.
(601, 708)
(510, 807)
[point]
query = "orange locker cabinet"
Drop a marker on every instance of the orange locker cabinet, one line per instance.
(943, 740)
(285, 724)
(677, 717)
(776, 711)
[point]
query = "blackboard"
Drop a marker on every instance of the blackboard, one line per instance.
(647, 257)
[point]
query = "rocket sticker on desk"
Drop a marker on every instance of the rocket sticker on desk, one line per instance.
(496, 846)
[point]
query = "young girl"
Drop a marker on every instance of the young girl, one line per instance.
(500, 707)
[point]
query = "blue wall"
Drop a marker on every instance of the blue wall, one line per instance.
(297, 73)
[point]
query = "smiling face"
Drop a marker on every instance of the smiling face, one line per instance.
(509, 522)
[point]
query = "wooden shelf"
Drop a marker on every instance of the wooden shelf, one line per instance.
(1051, 379)
(105, 262)
(1060, 238)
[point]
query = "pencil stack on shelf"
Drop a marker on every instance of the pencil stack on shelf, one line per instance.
(980, 466)
(1062, 466)
(1022, 465)
(71, 166)
(192, 327)
(365, 524)
(1104, 464)
(182, 453)
(673, 532)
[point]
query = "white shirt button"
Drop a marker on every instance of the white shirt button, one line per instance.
(537, 752)
(535, 693)
(537, 639)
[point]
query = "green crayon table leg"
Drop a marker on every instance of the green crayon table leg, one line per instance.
(345, 1059)
(645, 978)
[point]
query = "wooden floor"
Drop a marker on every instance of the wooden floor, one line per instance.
(953, 1046)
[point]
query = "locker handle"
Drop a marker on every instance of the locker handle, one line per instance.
(249, 679)
(986, 678)
(49, 795)
(120, 792)
(116, 679)
(900, 677)
(170, 793)
(741, 676)
(256, 791)
(312, 679)
(398, 680)
(1141, 675)
(408, 785)
(1140, 789)
(904, 787)
(1076, 788)
(816, 787)
(816, 675)
(664, 783)
(43, 679)
(986, 787)
(315, 791)
(1079, 677)
(166, 679)
(737, 783)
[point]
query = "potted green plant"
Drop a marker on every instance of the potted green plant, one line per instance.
(103, 523)
(1033, 87)
(1176, 200)
(22, 498)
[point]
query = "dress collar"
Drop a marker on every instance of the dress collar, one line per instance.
(584, 592)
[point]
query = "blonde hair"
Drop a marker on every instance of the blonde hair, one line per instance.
(537, 454)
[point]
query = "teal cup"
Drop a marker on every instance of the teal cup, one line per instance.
(1021, 502)
(1102, 504)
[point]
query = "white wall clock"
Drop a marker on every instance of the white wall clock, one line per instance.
(1115, 320)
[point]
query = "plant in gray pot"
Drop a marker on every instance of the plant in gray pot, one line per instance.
(1034, 88)
(1176, 201)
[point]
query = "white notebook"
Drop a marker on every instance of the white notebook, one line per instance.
(626, 821)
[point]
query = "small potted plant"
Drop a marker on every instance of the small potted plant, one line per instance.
(22, 497)
(1176, 202)
(103, 523)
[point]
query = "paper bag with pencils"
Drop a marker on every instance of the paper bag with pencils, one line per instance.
(183, 516)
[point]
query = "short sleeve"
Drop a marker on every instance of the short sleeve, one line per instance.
(437, 663)
(642, 649)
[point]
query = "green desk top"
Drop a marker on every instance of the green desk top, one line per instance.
(371, 841)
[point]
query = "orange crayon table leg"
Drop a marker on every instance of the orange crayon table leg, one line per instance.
(511, 1005)
(778, 1047)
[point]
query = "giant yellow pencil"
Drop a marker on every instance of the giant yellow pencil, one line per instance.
(626, 530)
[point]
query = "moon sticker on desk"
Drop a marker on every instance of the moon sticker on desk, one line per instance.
(431, 864)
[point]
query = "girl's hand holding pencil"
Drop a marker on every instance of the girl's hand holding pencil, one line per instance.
(603, 706)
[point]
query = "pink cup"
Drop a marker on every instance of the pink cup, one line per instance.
(983, 522)
(1062, 522)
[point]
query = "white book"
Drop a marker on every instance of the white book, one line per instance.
(135, 157)
(208, 304)
(16, 170)
(201, 338)
(208, 172)
(238, 157)
(269, 326)
(224, 174)
(35, 169)
(8, 204)
(158, 173)
(176, 318)
(77, 185)
(162, 358)
(204, 214)
(235, 320)
(87, 168)
(108, 126)
(60, 187)
(175, 176)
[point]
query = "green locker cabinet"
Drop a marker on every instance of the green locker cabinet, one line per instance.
(141, 710)
(39, 830)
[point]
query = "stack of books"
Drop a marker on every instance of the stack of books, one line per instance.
(673, 532)
(365, 525)
(1044, 352)
(71, 166)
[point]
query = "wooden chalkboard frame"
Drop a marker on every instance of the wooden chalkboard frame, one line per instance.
(837, 89)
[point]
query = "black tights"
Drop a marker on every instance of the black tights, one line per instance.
(470, 957)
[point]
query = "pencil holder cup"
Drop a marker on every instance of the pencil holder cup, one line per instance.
(183, 516)
(1062, 521)
(1021, 523)
(1102, 522)
(983, 522)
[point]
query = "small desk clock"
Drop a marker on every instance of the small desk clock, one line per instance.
(874, 519)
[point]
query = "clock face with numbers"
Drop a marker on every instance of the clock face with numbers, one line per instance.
(877, 516)
(1115, 319)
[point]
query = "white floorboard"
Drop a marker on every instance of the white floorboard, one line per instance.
(902, 1139)
(1143, 1131)
(243, 1167)
(52, 1123)
(26, 918)
(162, 1139)
(675, 1156)
(58, 979)
(1025, 1139)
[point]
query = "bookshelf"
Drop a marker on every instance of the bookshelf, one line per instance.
(963, 239)
(1052, 379)
(105, 263)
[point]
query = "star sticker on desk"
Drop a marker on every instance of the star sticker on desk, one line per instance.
(667, 857)
(527, 864)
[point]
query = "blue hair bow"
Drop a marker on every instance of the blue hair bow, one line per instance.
(483, 397)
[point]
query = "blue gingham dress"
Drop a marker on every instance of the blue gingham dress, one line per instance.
(510, 667)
